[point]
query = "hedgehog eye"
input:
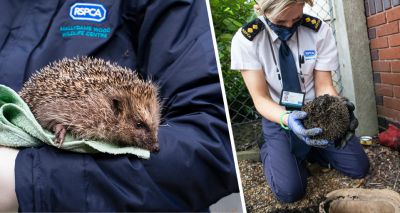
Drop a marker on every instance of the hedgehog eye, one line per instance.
(140, 125)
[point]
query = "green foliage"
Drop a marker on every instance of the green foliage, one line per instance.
(228, 16)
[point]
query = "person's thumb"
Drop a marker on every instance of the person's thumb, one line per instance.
(313, 131)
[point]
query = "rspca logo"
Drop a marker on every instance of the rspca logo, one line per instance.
(309, 54)
(88, 12)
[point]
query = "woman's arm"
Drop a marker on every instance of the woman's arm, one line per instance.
(258, 89)
(270, 110)
(323, 83)
(259, 92)
(8, 198)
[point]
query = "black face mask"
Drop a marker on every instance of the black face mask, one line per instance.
(284, 33)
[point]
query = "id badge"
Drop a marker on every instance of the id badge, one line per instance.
(292, 99)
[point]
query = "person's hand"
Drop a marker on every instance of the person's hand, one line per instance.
(294, 123)
(341, 143)
(8, 197)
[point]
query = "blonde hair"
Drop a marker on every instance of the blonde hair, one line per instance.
(273, 7)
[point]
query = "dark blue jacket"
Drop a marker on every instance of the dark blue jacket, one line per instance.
(166, 40)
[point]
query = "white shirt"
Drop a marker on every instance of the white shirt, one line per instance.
(256, 55)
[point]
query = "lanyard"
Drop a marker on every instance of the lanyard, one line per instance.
(300, 59)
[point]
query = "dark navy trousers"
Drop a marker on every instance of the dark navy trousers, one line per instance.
(287, 174)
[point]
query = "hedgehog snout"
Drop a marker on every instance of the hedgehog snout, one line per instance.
(155, 147)
(153, 144)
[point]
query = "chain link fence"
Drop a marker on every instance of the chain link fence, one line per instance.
(324, 10)
(245, 120)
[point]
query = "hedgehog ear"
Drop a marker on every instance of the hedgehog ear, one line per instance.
(116, 106)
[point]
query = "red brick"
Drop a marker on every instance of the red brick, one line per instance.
(396, 91)
(390, 78)
(394, 40)
(384, 89)
(381, 66)
(389, 53)
(395, 66)
(389, 113)
(387, 29)
(392, 103)
(376, 20)
(381, 42)
(393, 14)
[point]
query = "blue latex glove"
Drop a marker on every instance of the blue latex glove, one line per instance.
(294, 123)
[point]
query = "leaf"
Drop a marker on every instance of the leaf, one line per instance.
(225, 37)
(238, 24)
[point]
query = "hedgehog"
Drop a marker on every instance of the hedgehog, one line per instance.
(329, 113)
(94, 99)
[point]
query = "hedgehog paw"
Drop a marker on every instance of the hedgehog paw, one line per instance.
(60, 132)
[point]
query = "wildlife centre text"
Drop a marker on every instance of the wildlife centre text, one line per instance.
(85, 31)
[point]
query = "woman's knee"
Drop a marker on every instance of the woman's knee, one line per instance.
(288, 188)
(351, 161)
(360, 169)
(290, 192)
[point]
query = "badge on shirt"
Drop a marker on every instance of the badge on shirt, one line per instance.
(310, 55)
(292, 99)
(89, 20)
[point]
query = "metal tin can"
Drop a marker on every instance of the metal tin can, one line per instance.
(366, 140)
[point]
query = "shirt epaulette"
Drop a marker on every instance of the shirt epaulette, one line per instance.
(251, 29)
(311, 22)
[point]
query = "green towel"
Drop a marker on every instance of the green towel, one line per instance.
(19, 128)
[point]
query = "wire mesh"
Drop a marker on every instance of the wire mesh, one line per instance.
(323, 9)
(245, 119)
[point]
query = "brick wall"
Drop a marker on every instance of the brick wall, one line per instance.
(383, 20)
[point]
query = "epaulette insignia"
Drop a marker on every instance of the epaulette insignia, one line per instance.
(311, 22)
(251, 29)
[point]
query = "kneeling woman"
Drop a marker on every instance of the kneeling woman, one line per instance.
(286, 59)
